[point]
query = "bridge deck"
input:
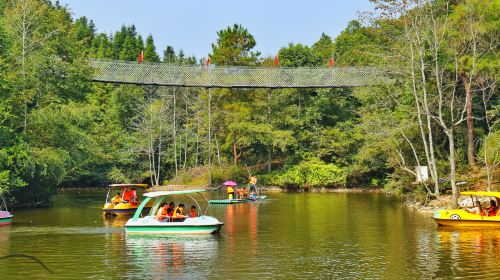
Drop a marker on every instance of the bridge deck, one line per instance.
(162, 74)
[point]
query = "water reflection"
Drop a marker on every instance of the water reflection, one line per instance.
(163, 257)
(115, 221)
(295, 236)
(4, 240)
(472, 251)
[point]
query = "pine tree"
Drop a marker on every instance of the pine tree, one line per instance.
(150, 50)
(169, 55)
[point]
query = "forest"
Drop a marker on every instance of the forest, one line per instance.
(58, 129)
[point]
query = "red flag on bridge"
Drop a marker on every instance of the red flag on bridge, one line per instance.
(332, 62)
(141, 56)
(276, 61)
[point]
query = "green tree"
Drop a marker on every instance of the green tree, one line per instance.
(85, 31)
(234, 47)
(169, 55)
(323, 48)
(150, 50)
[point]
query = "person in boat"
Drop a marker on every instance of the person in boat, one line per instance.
(244, 192)
(171, 205)
(133, 196)
(238, 193)
(162, 214)
(127, 196)
(170, 214)
(230, 192)
(179, 213)
(116, 199)
(477, 209)
(252, 183)
(192, 212)
(493, 209)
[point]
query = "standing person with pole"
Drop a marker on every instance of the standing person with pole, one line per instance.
(252, 183)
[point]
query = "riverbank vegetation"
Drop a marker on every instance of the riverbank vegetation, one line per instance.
(442, 111)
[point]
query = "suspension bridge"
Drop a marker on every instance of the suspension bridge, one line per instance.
(211, 76)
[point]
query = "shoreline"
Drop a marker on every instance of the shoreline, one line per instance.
(411, 203)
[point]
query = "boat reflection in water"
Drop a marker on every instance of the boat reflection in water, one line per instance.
(114, 221)
(480, 246)
(170, 257)
(4, 240)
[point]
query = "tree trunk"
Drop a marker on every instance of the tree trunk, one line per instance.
(174, 124)
(269, 146)
(209, 137)
(432, 163)
(470, 121)
(454, 189)
(236, 155)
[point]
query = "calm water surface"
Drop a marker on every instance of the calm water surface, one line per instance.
(290, 236)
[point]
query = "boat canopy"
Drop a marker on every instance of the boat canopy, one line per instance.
(165, 193)
(129, 185)
(491, 194)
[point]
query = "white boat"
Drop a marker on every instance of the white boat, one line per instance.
(149, 224)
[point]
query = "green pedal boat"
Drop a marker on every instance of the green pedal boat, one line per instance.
(149, 224)
(237, 200)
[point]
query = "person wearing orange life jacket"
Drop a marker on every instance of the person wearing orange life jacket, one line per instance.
(127, 195)
(239, 194)
(244, 192)
(230, 192)
(179, 213)
(192, 212)
(493, 209)
(133, 196)
(162, 214)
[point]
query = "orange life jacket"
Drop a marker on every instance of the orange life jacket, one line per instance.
(492, 211)
(192, 213)
(127, 195)
(161, 213)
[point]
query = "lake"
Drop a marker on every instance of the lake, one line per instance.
(289, 236)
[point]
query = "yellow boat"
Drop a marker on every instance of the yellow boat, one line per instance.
(124, 207)
(464, 218)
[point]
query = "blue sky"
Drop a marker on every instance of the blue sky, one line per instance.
(192, 24)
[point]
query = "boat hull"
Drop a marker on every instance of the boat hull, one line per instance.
(227, 201)
(467, 223)
(198, 225)
(463, 218)
(234, 201)
(6, 221)
(123, 209)
(174, 229)
(123, 212)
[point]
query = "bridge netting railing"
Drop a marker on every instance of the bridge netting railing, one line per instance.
(211, 76)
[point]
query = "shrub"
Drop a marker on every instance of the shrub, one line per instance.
(312, 173)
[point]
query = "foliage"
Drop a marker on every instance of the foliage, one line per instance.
(234, 47)
(57, 129)
(312, 173)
